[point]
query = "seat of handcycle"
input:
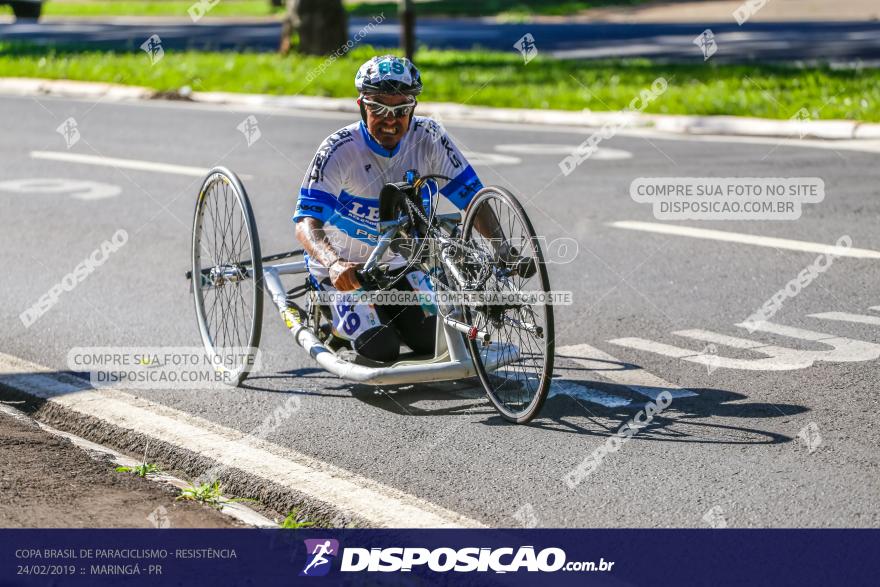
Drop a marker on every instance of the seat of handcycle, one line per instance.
(406, 356)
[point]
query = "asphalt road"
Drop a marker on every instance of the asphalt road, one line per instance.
(730, 455)
(839, 42)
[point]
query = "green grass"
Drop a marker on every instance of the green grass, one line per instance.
(207, 493)
(293, 522)
(515, 8)
(141, 470)
(483, 78)
(507, 8)
(155, 8)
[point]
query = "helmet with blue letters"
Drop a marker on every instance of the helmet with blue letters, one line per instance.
(388, 74)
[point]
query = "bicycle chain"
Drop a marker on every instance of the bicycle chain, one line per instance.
(485, 269)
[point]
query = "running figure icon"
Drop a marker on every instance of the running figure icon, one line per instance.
(320, 552)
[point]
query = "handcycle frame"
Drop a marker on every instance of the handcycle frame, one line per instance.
(435, 245)
(451, 359)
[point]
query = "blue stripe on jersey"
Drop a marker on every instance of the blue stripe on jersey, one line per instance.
(356, 230)
(350, 214)
(314, 204)
(462, 189)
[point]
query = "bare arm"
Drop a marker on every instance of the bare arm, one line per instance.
(310, 233)
(487, 224)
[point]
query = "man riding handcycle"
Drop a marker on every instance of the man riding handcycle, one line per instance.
(368, 220)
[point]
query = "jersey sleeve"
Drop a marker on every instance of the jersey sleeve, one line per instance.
(323, 182)
(465, 183)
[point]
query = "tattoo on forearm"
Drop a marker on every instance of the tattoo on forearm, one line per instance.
(310, 232)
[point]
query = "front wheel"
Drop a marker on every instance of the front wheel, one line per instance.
(516, 367)
(227, 275)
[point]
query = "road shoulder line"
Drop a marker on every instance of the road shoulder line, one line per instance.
(746, 239)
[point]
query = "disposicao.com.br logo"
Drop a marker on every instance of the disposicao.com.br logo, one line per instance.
(441, 560)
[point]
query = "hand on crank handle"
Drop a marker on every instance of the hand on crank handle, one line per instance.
(344, 275)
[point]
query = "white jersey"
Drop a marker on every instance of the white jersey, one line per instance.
(341, 186)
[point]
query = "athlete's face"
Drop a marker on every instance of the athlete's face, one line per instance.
(387, 130)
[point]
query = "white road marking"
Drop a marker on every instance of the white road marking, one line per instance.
(746, 239)
(603, 153)
(583, 391)
(777, 358)
(348, 492)
(847, 317)
(603, 365)
(75, 188)
(475, 158)
(122, 163)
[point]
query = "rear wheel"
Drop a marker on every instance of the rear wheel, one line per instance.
(227, 275)
(522, 337)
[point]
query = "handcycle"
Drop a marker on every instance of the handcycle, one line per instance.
(496, 321)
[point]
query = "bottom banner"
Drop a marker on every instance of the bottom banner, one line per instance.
(462, 557)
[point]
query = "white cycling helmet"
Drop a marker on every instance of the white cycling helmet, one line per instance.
(388, 74)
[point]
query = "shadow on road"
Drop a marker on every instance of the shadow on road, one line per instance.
(688, 419)
(577, 405)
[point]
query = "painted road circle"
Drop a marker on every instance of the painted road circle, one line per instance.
(75, 188)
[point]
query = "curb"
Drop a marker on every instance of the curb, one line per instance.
(247, 465)
(443, 111)
(229, 508)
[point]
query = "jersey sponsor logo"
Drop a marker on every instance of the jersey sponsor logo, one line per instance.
(311, 208)
(453, 158)
(323, 155)
(366, 234)
(368, 214)
(429, 127)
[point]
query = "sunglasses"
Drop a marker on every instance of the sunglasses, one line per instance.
(386, 111)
